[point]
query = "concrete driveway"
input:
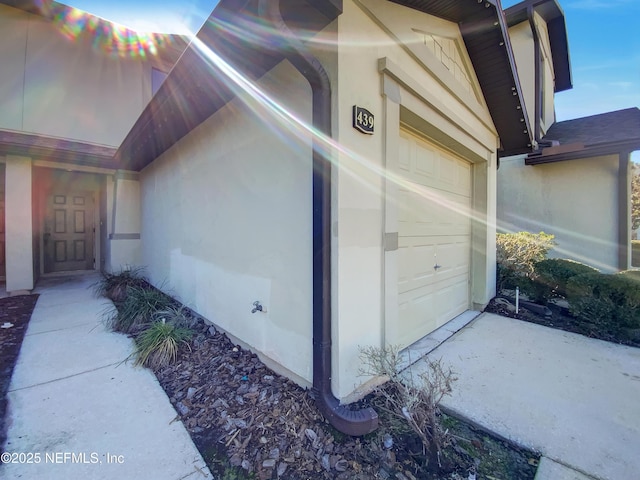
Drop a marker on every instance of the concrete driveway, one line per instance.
(574, 399)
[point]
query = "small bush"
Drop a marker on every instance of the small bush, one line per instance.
(138, 309)
(611, 303)
(114, 285)
(158, 345)
(635, 253)
(412, 401)
(551, 276)
(517, 254)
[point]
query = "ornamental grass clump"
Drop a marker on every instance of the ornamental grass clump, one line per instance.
(158, 345)
(114, 285)
(137, 310)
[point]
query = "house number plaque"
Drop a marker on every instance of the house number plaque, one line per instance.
(362, 120)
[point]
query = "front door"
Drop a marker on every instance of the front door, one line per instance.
(69, 232)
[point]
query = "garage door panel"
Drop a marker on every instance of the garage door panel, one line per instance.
(434, 168)
(451, 300)
(404, 157)
(454, 255)
(415, 325)
(426, 162)
(415, 266)
(417, 262)
(442, 214)
(434, 228)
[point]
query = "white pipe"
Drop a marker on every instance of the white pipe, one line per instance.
(517, 299)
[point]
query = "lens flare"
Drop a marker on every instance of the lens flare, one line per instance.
(363, 170)
(110, 38)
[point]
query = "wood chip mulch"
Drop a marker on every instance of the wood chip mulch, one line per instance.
(15, 313)
(235, 408)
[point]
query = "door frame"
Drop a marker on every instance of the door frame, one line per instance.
(46, 174)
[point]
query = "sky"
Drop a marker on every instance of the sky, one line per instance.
(604, 44)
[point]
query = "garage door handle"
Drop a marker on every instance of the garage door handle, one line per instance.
(436, 266)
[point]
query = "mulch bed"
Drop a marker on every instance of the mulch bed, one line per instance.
(16, 311)
(249, 422)
(560, 318)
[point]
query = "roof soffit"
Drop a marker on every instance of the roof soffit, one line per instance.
(197, 87)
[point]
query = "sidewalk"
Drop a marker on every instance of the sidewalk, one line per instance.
(85, 413)
(574, 399)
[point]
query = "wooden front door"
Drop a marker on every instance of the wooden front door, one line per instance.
(69, 232)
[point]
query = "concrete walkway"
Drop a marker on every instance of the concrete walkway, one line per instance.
(574, 399)
(78, 411)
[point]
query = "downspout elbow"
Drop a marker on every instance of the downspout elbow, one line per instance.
(350, 422)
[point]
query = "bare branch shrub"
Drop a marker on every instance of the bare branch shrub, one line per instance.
(412, 400)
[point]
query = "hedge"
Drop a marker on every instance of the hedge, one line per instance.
(611, 303)
(551, 276)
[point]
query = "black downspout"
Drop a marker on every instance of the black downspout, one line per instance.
(351, 422)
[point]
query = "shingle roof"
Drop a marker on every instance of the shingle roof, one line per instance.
(621, 125)
(597, 135)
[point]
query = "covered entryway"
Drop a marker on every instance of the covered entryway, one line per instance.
(434, 236)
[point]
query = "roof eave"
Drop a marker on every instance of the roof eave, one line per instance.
(64, 151)
(589, 151)
(195, 89)
(485, 34)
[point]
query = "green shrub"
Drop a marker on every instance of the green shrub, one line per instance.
(552, 274)
(138, 309)
(611, 303)
(517, 254)
(635, 253)
(632, 274)
(114, 285)
(157, 346)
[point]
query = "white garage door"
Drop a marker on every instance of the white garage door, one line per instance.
(434, 237)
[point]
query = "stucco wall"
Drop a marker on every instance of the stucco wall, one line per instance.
(548, 76)
(523, 50)
(413, 87)
(124, 222)
(226, 221)
(574, 200)
(226, 213)
(54, 86)
(18, 241)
